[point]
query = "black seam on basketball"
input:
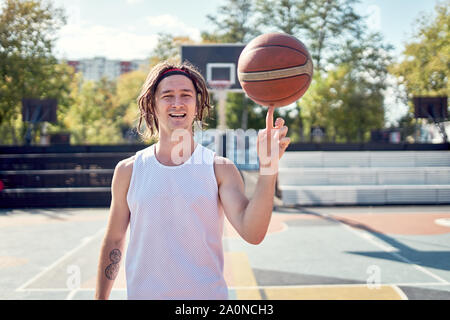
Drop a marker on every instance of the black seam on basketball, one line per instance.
(298, 75)
(280, 46)
(275, 101)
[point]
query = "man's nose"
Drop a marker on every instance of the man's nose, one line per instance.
(177, 101)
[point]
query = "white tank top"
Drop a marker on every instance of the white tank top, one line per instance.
(176, 226)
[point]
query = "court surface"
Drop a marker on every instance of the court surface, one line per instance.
(398, 252)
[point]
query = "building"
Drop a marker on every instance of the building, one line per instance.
(98, 67)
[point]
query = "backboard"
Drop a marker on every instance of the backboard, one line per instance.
(215, 62)
(431, 107)
(39, 110)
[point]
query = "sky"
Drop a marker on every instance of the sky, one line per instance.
(127, 29)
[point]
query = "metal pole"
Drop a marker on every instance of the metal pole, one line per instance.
(222, 97)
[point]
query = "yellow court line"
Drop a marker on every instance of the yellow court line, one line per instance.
(342, 292)
(241, 275)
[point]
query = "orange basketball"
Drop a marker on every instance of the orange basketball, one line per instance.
(275, 69)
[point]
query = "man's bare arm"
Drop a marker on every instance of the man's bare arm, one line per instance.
(250, 218)
(111, 254)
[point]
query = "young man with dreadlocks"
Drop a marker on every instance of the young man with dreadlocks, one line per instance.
(174, 196)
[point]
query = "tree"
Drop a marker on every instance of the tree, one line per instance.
(127, 111)
(288, 16)
(101, 112)
(90, 118)
(425, 66)
(328, 23)
(27, 65)
(255, 114)
(233, 23)
(168, 48)
(321, 24)
(346, 106)
(407, 124)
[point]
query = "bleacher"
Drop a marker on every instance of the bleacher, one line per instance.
(80, 176)
(69, 176)
(63, 175)
(364, 177)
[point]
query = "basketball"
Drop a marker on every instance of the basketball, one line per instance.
(275, 69)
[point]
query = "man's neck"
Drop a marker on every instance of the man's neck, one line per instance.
(170, 152)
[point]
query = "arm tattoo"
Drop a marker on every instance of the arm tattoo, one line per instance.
(112, 270)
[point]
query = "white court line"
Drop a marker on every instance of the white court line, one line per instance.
(387, 248)
(83, 243)
(72, 294)
(397, 284)
(400, 293)
(45, 290)
(416, 284)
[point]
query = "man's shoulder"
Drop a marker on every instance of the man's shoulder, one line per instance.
(223, 168)
(222, 161)
(125, 166)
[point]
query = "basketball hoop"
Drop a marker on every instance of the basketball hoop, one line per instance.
(219, 85)
(219, 88)
(36, 111)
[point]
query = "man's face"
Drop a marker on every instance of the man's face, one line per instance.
(175, 102)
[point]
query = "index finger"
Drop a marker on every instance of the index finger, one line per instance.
(269, 117)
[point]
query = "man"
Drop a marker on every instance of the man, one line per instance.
(175, 193)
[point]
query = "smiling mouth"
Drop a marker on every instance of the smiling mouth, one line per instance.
(177, 116)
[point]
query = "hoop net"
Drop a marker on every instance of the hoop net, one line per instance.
(219, 85)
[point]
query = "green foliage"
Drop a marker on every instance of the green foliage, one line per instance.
(168, 48)
(237, 105)
(321, 24)
(212, 120)
(90, 118)
(408, 125)
(128, 89)
(233, 23)
(288, 16)
(425, 66)
(328, 23)
(27, 66)
(343, 104)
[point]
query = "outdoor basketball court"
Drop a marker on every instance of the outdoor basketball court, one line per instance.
(399, 252)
